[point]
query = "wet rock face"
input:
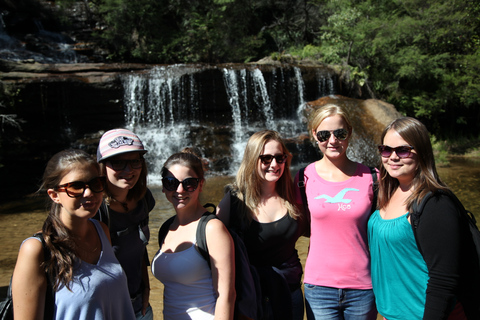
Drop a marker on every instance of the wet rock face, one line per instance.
(71, 105)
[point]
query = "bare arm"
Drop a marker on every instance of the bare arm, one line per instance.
(29, 283)
(223, 209)
(222, 259)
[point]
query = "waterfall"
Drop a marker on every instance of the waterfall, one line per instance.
(215, 109)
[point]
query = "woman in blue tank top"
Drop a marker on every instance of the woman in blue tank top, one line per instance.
(87, 280)
(192, 288)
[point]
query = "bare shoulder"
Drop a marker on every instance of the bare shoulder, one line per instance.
(32, 247)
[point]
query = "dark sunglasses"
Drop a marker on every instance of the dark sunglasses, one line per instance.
(119, 165)
(189, 184)
(324, 135)
(268, 158)
(76, 189)
(402, 151)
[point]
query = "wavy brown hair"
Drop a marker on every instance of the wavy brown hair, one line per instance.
(247, 185)
(426, 178)
(57, 237)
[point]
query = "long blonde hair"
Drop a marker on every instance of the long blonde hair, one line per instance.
(247, 185)
(426, 178)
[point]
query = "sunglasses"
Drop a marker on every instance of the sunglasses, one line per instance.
(324, 135)
(119, 165)
(268, 158)
(189, 184)
(76, 189)
(401, 152)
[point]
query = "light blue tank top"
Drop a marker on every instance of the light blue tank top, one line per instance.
(98, 291)
(399, 273)
(188, 285)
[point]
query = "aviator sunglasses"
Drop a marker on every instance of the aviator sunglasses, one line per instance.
(268, 158)
(119, 165)
(189, 184)
(324, 135)
(76, 189)
(401, 152)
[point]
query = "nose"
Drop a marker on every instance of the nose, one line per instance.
(180, 188)
(87, 192)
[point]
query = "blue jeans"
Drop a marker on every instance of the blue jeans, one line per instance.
(148, 314)
(339, 304)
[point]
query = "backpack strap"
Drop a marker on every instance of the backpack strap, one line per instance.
(416, 212)
(49, 293)
(375, 189)
(162, 232)
(202, 236)
(301, 186)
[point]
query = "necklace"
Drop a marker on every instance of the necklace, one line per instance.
(88, 250)
(123, 204)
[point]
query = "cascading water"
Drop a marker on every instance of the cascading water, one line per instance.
(213, 109)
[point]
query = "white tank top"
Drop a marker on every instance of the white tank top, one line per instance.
(187, 279)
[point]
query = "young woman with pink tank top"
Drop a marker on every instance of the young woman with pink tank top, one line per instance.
(337, 282)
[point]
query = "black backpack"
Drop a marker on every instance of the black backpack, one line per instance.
(469, 218)
(247, 281)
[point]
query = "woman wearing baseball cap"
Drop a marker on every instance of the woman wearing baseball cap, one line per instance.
(126, 210)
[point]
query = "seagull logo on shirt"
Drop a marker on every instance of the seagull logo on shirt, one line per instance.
(338, 198)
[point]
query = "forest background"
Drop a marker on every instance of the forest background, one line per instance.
(422, 56)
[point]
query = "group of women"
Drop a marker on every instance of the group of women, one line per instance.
(359, 263)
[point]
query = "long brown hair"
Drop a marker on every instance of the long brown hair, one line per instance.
(247, 185)
(57, 237)
(426, 178)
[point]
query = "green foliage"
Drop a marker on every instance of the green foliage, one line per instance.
(440, 151)
(423, 56)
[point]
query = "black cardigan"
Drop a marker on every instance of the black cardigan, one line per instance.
(448, 250)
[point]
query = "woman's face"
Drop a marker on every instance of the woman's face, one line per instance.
(334, 129)
(123, 171)
(271, 168)
(181, 198)
(403, 169)
(86, 204)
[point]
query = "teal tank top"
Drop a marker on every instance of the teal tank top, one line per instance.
(399, 273)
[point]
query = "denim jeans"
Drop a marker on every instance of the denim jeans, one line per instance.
(327, 303)
(148, 314)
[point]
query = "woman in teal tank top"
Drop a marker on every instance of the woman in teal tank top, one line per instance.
(434, 273)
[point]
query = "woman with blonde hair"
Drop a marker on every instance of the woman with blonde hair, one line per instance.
(430, 271)
(339, 197)
(260, 207)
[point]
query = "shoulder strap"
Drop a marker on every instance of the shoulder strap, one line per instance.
(375, 189)
(162, 232)
(202, 237)
(417, 209)
(50, 293)
(301, 186)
